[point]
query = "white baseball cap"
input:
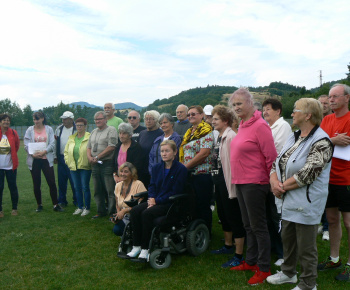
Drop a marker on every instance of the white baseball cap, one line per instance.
(208, 109)
(67, 114)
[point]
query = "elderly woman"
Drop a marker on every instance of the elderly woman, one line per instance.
(252, 154)
(272, 110)
(127, 187)
(300, 177)
(226, 199)
(41, 160)
(9, 145)
(167, 179)
(166, 122)
(146, 139)
(77, 161)
(127, 150)
(195, 153)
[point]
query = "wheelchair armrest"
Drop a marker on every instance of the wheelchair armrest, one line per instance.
(178, 196)
(142, 194)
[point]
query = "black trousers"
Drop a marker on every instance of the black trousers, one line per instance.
(142, 218)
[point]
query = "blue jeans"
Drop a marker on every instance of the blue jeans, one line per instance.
(11, 176)
(63, 173)
(118, 228)
(81, 180)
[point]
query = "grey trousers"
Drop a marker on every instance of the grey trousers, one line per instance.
(252, 202)
(102, 176)
(299, 242)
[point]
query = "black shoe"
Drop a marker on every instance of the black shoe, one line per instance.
(58, 208)
(63, 204)
(39, 209)
(98, 216)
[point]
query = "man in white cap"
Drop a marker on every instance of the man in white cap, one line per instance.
(61, 135)
(207, 112)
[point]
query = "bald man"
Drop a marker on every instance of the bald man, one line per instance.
(182, 124)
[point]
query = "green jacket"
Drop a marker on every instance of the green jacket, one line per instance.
(83, 162)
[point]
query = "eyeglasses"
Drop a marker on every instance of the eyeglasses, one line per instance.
(192, 114)
(295, 110)
(99, 119)
(335, 97)
(132, 117)
(79, 126)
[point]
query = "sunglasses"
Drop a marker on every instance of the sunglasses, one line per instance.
(192, 114)
(132, 117)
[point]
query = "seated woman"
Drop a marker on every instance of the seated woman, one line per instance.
(127, 187)
(168, 178)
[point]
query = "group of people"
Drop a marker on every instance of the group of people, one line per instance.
(260, 171)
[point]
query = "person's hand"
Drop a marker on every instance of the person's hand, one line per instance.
(276, 186)
(151, 202)
(341, 139)
(92, 160)
(120, 214)
(116, 178)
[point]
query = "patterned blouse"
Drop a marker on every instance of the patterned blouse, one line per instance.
(192, 148)
(320, 153)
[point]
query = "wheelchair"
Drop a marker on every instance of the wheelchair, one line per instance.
(175, 233)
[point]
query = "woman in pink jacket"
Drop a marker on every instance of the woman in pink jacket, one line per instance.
(252, 154)
(225, 192)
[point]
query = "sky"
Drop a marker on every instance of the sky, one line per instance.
(139, 51)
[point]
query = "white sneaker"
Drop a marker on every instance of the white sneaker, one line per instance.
(212, 207)
(143, 254)
(78, 211)
(298, 288)
(134, 252)
(279, 262)
(280, 278)
(85, 212)
(325, 236)
(320, 229)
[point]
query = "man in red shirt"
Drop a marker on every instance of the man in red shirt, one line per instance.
(337, 126)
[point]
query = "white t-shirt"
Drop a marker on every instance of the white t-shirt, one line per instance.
(64, 138)
(5, 158)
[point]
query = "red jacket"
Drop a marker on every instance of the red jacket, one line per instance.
(13, 138)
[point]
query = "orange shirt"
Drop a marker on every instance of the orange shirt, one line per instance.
(340, 170)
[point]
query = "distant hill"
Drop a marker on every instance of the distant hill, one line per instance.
(84, 104)
(120, 106)
(128, 105)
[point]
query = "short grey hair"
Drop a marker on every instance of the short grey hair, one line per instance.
(153, 113)
(125, 128)
(322, 96)
(100, 113)
(168, 117)
(242, 92)
(183, 106)
(345, 87)
(138, 114)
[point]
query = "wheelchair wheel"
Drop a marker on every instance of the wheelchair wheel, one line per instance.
(197, 240)
(157, 262)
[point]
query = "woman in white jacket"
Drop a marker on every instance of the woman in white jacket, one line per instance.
(41, 160)
(226, 201)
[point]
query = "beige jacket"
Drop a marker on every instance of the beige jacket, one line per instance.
(224, 150)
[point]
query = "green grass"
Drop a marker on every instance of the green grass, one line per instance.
(51, 250)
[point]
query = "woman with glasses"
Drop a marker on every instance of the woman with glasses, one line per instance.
(41, 159)
(146, 139)
(9, 145)
(195, 151)
(300, 176)
(76, 159)
(166, 122)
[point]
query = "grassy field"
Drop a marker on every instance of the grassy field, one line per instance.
(51, 250)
